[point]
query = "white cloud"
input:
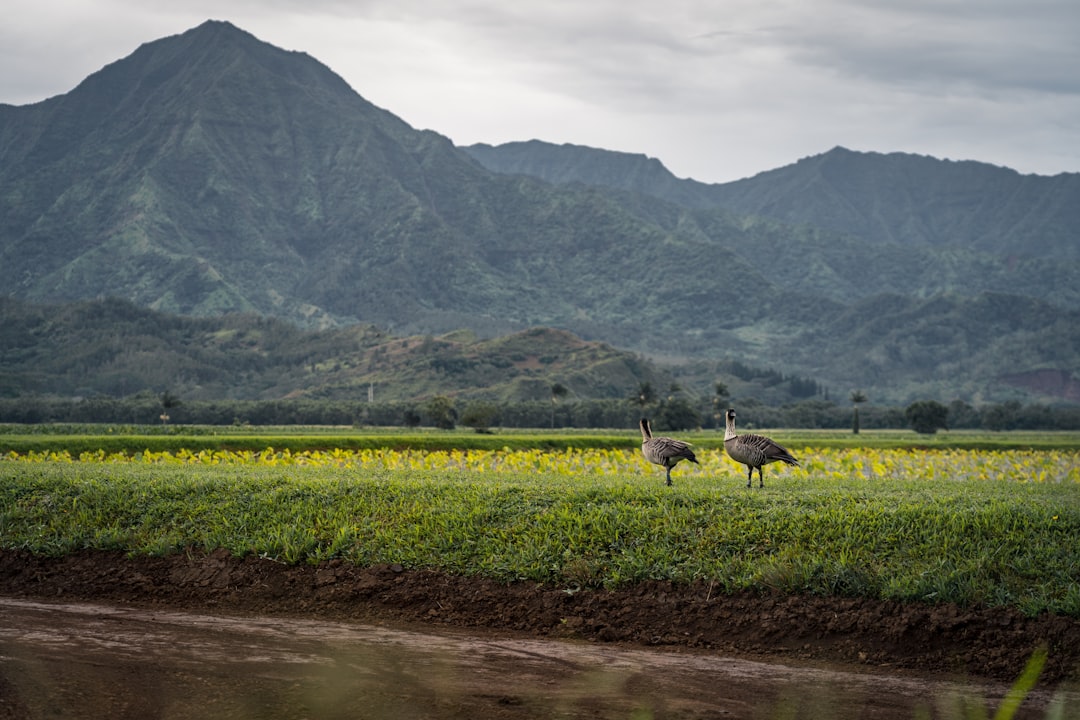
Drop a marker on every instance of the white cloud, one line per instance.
(716, 90)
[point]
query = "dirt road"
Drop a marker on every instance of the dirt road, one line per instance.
(94, 661)
(211, 636)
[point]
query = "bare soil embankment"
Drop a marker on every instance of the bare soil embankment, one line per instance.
(983, 642)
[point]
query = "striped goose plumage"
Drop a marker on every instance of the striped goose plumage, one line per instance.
(664, 451)
(753, 451)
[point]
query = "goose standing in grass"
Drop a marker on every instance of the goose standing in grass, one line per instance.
(664, 451)
(753, 451)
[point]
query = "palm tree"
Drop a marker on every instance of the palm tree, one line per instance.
(719, 402)
(857, 397)
(558, 390)
(646, 395)
(168, 402)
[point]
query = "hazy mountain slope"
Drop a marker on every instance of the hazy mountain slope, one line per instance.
(942, 346)
(845, 268)
(907, 199)
(915, 200)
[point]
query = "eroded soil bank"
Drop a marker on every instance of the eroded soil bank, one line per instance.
(922, 642)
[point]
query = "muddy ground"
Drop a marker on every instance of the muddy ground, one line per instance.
(692, 626)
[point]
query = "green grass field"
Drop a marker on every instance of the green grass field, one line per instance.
(78, 438)
(993, 527)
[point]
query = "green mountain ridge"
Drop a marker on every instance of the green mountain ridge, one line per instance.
(210, 173)
(911, 200)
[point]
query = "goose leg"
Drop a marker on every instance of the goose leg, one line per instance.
(749, 475)
(669, 476)
(761, 478)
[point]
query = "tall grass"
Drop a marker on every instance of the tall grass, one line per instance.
(875, 529)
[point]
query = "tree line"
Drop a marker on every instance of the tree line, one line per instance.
(674, 412)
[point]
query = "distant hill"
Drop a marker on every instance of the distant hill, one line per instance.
(947, 346)
(910, 200)
(112, 347)
(211, 173)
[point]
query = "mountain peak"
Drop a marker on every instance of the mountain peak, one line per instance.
(213, 34)
(214, 64)
(218, 26)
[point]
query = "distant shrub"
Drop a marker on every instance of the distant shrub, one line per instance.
(927, 416)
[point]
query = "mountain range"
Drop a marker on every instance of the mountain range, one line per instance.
(210, 173)
(913, 200)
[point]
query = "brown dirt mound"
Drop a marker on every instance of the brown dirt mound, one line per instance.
(987, 642)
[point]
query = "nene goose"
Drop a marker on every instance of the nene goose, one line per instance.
(753, 451)
(664, 451)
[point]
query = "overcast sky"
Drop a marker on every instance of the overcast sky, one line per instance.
(717, 90)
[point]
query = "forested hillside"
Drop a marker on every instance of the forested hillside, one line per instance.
(210, 173)
(115, 348)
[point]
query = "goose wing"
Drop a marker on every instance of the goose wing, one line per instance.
(659, 449)
(757, 450)
(772, 450)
